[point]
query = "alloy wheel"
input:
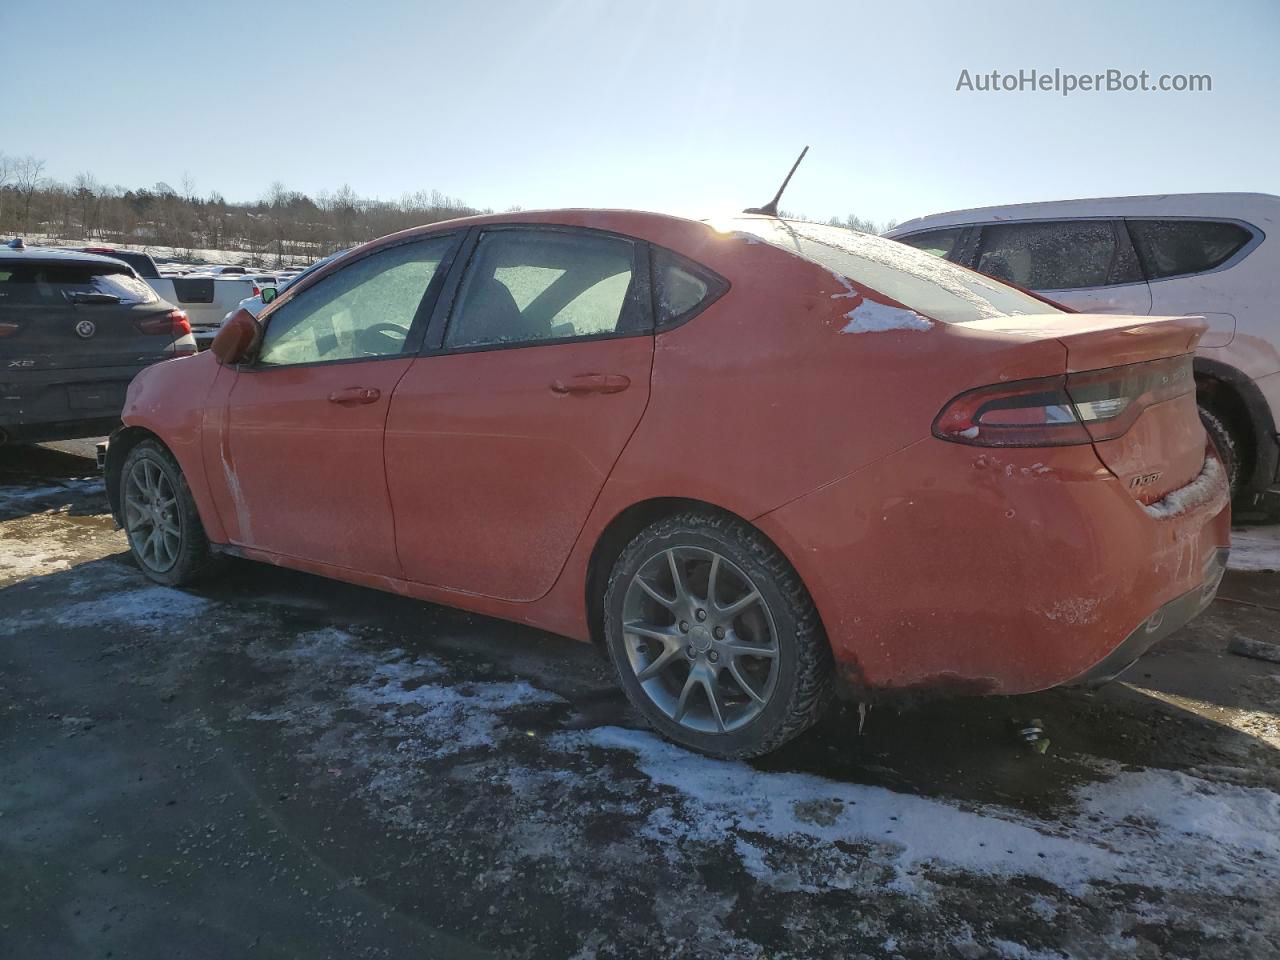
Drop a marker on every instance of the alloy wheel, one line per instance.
(151, 516)
(700, 639)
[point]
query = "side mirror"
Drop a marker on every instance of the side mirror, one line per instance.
(236, 338)
(268, 294)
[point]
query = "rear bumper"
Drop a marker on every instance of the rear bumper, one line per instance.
(62, 404)
(1167, 620)
(950, 569)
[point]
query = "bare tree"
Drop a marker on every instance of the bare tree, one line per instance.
(28, 177)
(85, 190)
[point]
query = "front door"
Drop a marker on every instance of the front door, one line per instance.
(302, 457)
(498, 445)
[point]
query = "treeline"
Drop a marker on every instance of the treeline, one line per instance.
(283, 224)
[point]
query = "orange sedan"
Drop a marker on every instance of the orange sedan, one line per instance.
(758, 460)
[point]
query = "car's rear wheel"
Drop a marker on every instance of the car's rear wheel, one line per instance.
(714, 637)
(160, 518)
(1224, 442)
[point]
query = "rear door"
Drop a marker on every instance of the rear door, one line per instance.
(301, 472)
(500, 439)
(1088, 265)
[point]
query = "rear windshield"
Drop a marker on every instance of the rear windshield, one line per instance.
(925, 283)
(53, 283)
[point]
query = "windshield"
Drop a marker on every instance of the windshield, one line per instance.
(927, 284)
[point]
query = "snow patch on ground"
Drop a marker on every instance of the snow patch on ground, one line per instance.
(19, 560)
(1255, 548)
(148, 608)
(1209, 487)
(1153, 828)
(59, 494)
(872, 317)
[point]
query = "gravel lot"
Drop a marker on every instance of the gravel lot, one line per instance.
(275, 765)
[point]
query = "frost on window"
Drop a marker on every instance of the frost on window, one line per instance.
(1170, 248)
(941, 243)
(365, 309)
(1062, 255)
(925, 284)
(529, 285)
(677, 289)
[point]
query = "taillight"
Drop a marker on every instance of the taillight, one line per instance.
(8, 329)
(174, 323)
(1062, 410)
(257, 291)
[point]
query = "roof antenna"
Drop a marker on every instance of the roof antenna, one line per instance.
(770, 209)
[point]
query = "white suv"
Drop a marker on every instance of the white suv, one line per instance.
(1206, 254)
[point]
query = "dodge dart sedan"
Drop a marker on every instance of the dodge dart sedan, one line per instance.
(758, 461)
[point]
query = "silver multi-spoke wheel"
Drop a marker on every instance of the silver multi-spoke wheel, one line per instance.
(700, 639)
(151, 515)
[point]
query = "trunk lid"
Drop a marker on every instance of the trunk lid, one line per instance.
(1147, 361)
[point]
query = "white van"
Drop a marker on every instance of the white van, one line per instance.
(1195, 253)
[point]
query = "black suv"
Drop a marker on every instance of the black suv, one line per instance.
(74, 329)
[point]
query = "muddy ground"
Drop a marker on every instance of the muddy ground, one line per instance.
(275, 765)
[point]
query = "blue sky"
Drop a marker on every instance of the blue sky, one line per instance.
(691, 107)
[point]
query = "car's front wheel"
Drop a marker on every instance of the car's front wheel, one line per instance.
(714, 637)
(165, 534)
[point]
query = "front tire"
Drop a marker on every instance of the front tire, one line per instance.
(715, 638)
(159, 516)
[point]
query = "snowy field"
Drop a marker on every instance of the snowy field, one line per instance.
(281, 764)
(177, 259)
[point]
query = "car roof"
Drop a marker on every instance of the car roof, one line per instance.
(1260, 209)
(51, 255)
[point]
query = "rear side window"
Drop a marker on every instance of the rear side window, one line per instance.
(1063, 255)
(941, 243)
(46, 284)
(534, 285)
(1171, 248)
(681, 288)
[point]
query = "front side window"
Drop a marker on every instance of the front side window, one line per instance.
(941, 243)
(1063, 255)
(1170, 248)
(365, 310)
(534, 285)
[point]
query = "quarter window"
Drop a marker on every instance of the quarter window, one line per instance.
(1173, 247)
(365, 310)
(680, 287)
(529, 286)
(941, 243)
(1049, 256)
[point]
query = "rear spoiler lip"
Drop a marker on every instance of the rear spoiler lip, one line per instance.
(1183, 334)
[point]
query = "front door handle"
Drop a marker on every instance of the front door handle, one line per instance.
(592, 383)
(352, 395)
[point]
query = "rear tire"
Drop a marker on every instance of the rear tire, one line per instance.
(1225, 443)
(731, 659)
(159, 515)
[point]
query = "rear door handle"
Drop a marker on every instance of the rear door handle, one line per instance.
(592, 383)
(355, 395)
